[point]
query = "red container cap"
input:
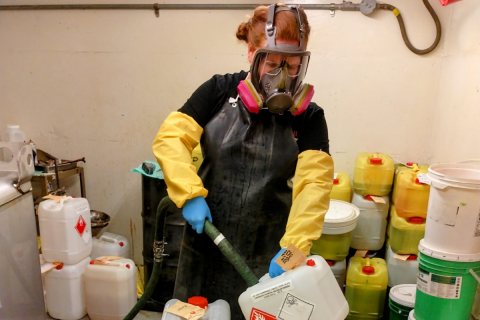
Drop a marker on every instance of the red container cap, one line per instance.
(447, 2)
(59, 267)
(198, 301)
(311, 263)
(128, 266)
(92, 261)
(417, 181)
(368, 270)
(416, 220)
(330, 263)
(368, 198)
(376, 161)
(412, 257)
(410, 164)
(336, 181)
(121, 244)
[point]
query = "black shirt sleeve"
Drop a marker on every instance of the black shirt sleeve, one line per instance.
(311, 129)
(210, 97)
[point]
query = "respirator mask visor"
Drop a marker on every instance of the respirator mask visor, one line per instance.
(277, 75)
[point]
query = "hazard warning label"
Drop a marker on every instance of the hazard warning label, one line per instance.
(82, 229)
(261, 315)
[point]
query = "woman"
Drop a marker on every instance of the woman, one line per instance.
(256, 131)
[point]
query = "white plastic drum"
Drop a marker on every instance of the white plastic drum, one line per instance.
(410, 315)
(453, 216)
(110, 244)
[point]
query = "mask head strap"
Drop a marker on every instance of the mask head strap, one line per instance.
(271, 30)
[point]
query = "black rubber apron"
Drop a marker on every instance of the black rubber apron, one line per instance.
(248, 159)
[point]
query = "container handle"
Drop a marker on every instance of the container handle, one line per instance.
(109, 239)
(475, 275)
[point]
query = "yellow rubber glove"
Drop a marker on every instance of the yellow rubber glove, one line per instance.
(172, 147)
(311, 198)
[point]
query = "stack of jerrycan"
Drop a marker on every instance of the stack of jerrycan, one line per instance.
(407, 223)
(372, 182)
(449, 254)
(334, 243)
(66, 236)
(366, 288)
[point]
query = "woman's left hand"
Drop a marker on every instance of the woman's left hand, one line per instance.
(275, 270)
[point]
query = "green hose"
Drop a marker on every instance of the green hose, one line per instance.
(231, 254)
(225, 247)
(158, 257)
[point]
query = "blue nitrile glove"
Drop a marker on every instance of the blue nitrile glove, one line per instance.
(195, 211)
(275, 270)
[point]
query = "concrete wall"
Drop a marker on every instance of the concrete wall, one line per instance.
(99, 84)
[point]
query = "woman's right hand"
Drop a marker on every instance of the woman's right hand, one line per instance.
(195, 211)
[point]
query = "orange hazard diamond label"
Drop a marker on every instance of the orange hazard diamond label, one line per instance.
(261, 315)
(80, 226)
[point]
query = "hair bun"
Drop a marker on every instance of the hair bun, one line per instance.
(242, 32)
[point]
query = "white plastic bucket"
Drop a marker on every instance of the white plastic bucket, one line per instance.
(110, 244)
(411, 316)
(65, 291)
(453, 216)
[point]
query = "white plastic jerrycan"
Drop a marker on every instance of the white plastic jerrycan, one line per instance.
(110, 244)
(308, 292)
(65, 230)
(111, 289)
(65, 291)
(219, 310)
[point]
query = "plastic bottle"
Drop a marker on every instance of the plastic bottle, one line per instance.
(65, 230)
(401, 271)
(309, 291)
(14, 134)
(110, 244)
(372, 223)
(405, 234)
(373, 174)
(65, 291)
(366, 288)
(340, 219)
(342, 189)
(111, 290)
(219, 310)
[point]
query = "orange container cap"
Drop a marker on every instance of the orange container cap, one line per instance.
(416, 220)
(368, 198)
(368, 270)
(376, 161)
(336, 181)
(198, 301)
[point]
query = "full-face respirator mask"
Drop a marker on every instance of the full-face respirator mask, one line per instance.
(277, 72)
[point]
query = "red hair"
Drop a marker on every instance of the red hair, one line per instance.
(253, 31)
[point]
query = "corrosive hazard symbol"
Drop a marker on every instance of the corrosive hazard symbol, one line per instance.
(260, 315)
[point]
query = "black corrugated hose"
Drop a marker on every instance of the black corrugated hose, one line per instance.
(404, 32)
